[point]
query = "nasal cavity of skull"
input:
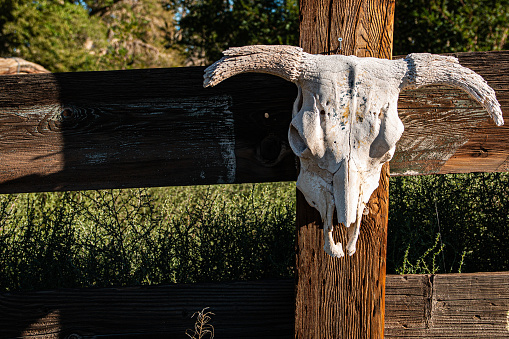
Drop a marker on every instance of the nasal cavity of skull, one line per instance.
(323, 114)
(383, 111)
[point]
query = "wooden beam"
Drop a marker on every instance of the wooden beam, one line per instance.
(141, 128)
(345, 297)
(417, 306)
(71, 131)
(448, 132)
(448, 306)
(242, 310)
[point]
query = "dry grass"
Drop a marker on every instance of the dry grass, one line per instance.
(202, 327)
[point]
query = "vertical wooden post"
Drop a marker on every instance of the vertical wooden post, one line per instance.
(344, 298)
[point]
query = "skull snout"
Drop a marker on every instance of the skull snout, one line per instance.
(342, 191)
(346, 185)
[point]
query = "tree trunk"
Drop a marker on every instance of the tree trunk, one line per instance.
(344, 298)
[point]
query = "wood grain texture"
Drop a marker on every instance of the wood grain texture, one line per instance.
(417, 306)
(344, 298)
(74, 131)
(448, 306)
(365, 26)
(448, 132)
(254, 310)
(157, 127)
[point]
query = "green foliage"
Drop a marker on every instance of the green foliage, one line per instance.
(88, 35)
(119, 34)
(208, 27)
(138, 32)
(146, 236)
(51, 34)
(422, 265)
(437, 224)
(469, 211)
(446, 26)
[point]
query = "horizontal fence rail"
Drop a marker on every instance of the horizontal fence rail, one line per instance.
(141, 128)
(448, 132)
(159, 127)
(417, 306)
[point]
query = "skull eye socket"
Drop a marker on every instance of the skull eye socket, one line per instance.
(299, 101)
(296, 142)
(379, 147)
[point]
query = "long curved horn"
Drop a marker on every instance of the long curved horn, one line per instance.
(283, 61)
(431, 69)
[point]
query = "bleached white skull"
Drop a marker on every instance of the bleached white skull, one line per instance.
(345, 122)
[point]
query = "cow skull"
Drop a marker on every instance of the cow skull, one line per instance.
(345, 122)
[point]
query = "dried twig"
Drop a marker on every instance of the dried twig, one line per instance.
(202, 328)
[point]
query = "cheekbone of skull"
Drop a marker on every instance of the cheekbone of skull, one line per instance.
(345, 123)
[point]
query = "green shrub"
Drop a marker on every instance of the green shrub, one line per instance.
(437, 224)
(469, 211)
(146, 236)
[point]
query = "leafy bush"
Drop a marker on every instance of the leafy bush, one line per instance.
(469, 211)
(437, 224)
(146, 236)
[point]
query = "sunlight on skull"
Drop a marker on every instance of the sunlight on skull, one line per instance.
(345, 123)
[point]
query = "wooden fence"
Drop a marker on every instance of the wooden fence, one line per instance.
(417, 306)
(159, 127)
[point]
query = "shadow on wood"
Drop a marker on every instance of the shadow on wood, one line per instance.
(142, 128)
(242, 310)
(417, 306)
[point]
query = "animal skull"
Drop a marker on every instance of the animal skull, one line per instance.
(345, 122)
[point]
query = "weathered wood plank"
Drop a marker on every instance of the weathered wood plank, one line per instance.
(142, 128)
(448, 306)
(159, 127)
(417, 306)
(487, 148)
(344, 298)
(242, 310)
(448, 132)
